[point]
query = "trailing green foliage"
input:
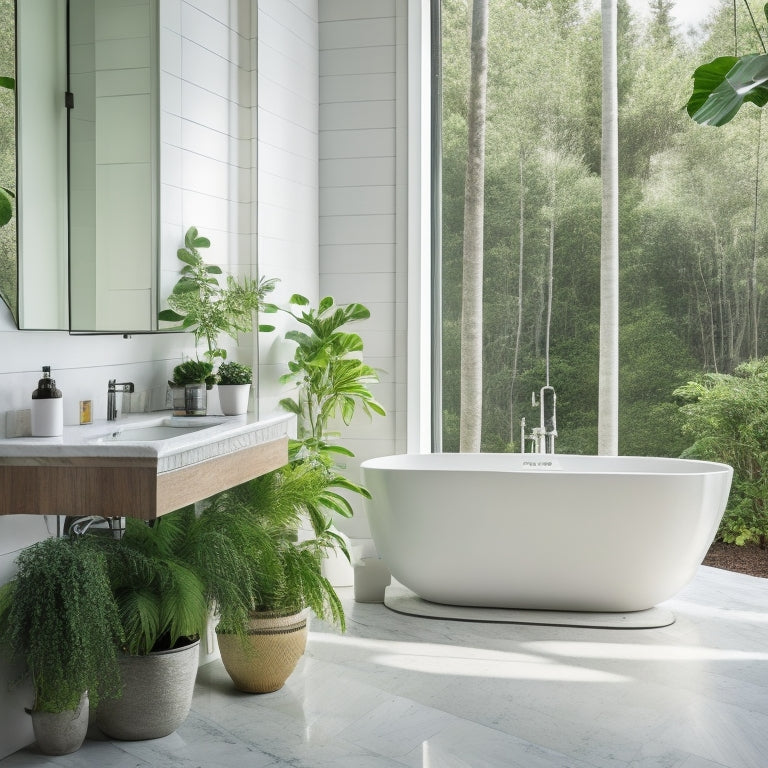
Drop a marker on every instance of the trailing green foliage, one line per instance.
(234, 373)
(262, 517)
(329, 373)
(59, 615)
(200, 304)
(727, 416)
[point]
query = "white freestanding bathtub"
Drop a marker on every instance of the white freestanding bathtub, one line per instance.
(557, 532)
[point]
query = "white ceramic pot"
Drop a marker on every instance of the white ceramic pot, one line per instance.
(233, 398)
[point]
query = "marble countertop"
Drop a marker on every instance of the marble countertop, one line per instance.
(222, 435)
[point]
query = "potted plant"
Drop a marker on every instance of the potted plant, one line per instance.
(200, 304)
(59, 615)
(163, 607)
(234, 387)
(189, 387)
(262, 629)
(331, 380)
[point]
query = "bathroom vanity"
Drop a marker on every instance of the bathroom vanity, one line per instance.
(141, 466)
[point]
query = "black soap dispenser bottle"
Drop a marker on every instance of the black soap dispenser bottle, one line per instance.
(47, 407)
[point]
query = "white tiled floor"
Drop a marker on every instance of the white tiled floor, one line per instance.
(402, 691)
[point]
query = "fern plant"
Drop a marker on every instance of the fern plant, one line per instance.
(263, 516)
(161, 599)
(200, 304)
(59, 615)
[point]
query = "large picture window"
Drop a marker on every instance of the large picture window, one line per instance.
(693, 235)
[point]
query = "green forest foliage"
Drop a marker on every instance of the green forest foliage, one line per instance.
(694, 265)
(727, 417)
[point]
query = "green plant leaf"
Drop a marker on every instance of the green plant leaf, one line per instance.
(325, 304)
(7, 82)
(187, 257)
(723, 85)
(6, 208)
(298, 300)
(201, 242)
(185, 285)
(266, 328)
(212, 269)
(290, 405)
(168, 315)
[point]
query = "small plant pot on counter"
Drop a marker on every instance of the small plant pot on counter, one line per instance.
(157, 694)
(189, 399)
(233, 398)
(61, 733)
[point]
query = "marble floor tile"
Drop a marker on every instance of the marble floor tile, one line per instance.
(399, 691)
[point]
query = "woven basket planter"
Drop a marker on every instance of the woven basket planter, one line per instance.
(61, 733)
(157, 695)
(270, 653)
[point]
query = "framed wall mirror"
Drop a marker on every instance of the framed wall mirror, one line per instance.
(80, 252)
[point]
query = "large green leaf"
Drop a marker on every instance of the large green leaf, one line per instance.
(168, 315)
(7, 82)
(723, 85)
(6, 208)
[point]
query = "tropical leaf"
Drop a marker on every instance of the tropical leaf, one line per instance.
(723, 85)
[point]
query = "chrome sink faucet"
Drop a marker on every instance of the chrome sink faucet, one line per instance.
(113, 388)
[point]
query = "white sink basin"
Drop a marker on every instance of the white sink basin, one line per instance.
(165, 430)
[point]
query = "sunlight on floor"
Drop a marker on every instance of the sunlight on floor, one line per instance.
(639, 652)
(460, 661)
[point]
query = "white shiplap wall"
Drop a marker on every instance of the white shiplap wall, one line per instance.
(362, 61)
(286, 119)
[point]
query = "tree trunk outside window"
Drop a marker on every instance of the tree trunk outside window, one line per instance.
(472, 284)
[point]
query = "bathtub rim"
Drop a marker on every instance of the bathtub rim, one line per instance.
(414, 462)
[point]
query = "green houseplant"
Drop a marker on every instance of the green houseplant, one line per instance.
(329, 374)
(234, 387)
(59, 615)
(262, 629)
(189, 387)
(163, 609)
(331, 380)
(199, 303)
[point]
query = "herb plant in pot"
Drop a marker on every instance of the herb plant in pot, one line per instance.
(234, 387)
(59, 615)
(262, 630)
(189, 387)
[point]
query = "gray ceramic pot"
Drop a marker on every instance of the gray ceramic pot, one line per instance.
(60, 733)
(157, 695)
